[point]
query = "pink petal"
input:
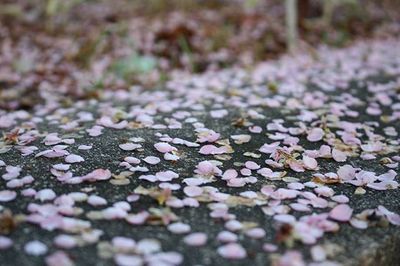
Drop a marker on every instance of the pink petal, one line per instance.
(267, 247)
(65, 241)
(318, 253)
(236, 182)
(300, 207)
(240, 139)
(193, 191)
(166, 258)
(147, 246)
(392, 217)
(211, 149)
(340, 198)
(129, 146)
(152, 160)
(61, 167)
(255, 129)
(171, 157)
(269, 148)
(59, 258)
(226, 236)
(35, 248)
(359, 224)
(218, 113)
(95, 131)
(164, 147)
(338, 155)
(285, 218)
(251, 165)
(229, 174)
(178, 228)
(107, 122)
(123, 244)
(45, 194)
(324, 191)
(233, 225)
(265, 172)
(232, 251)
(346, 172)
(291, 257)
(255, 233)
(296, 166)
(249, 194)
(7, 195)
(96, 200)
(283, 193)
(208, 136)
(316, 134)
(296, 186)
(137, 219)
(112, 213)
(166, 176)
(195, 239)
(133, 160)
(384, 185)
(97, 175)
(128, 260)
(190, 202)
(341, 212)
(5, 242)
(205, 168)
(388, 176)
(324, 151)
(84, 147)
(245, 172)
(73, 158)
(310, 163)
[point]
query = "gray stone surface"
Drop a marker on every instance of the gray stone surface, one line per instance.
(376, 245)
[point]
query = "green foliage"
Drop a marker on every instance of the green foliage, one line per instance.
(23, 64)
(133, 64)
(251, 3)
(55, 7)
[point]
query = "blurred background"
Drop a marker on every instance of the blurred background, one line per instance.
(80, 47)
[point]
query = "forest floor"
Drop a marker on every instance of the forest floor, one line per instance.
(78, 48)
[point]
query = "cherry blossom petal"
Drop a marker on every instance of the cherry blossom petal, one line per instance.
(193, 191)
(315, 134)
(164, 147)
(65, 241)
(341, 213)
(5, 242)
(73, 158)
(7, 195)
(195, 239)
(232, 251)
(310, 163)
(255, 233)
(128, 260)
(45, 194)
(95, 200)
(97, 175)
(152, 160)
(226, 236)
(179, 228)
(129, 146)
(123, 244)
(59, 258)
(35, 248)
(338, 155)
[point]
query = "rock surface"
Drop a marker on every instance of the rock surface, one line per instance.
(297, 159)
